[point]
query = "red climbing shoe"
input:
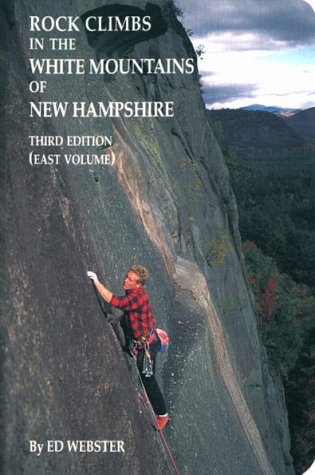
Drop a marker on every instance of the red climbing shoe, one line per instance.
(161, 421)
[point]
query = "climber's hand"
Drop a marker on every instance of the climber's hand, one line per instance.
(93, 277)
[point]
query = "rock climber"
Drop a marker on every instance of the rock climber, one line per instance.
(138, 323)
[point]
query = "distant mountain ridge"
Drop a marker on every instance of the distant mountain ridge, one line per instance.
(281, 111)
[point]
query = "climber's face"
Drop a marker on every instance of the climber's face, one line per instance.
(131, 281)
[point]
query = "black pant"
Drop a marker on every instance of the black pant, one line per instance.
(150, 383)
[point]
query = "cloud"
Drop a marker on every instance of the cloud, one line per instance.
(290, 21)
(259, 51)
(236, 79)
(227, 93)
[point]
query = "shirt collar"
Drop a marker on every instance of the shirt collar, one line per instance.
(136, 290)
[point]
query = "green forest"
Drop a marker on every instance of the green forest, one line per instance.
(272, 172)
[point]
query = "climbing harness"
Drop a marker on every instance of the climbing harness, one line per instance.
(143, 343)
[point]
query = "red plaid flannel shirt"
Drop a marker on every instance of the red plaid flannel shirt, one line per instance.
(137, 311)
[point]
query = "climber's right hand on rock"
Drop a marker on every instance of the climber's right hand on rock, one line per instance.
(93, 276)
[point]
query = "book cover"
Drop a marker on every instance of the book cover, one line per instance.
(109, 159)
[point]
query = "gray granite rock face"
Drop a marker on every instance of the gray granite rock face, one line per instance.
(166, 203)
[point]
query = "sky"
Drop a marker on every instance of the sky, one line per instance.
(255, 51)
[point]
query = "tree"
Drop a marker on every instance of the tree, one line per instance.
(278, 307)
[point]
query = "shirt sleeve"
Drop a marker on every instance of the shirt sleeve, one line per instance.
(126, 303)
